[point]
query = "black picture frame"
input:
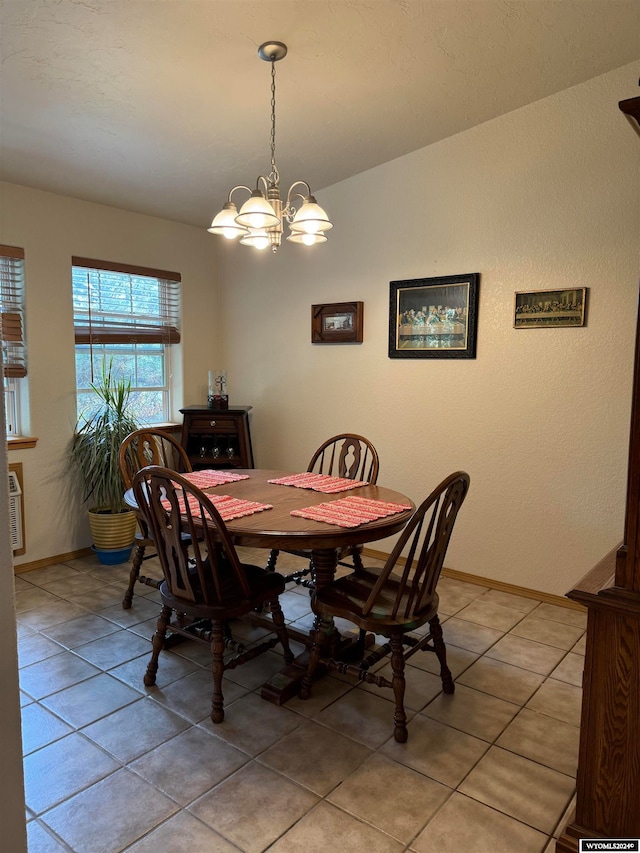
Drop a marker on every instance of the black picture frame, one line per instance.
(434, 317)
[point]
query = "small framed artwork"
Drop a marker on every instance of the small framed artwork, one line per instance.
(434, 317)
(549, 309)
(337, 323)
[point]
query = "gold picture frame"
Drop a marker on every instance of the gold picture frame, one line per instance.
(550, 309)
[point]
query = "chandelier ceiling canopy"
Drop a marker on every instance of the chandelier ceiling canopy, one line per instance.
(260, 221)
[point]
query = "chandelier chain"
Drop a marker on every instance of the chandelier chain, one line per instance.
(274, 177)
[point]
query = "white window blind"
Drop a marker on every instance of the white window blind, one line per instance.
(14, 351)
(123, 304)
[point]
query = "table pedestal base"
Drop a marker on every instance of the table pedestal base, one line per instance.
(285, 684)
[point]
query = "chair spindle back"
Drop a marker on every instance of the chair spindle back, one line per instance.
(171, 505)
(347, 455)
(427, 534)
(151, 447)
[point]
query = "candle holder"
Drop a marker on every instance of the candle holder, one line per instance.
(217, 398)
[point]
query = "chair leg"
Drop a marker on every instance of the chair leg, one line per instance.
(357, 558)
(360, 647)
(281, 630)
(270, 567)
(217, 666)
(314, 658)
(355, 555)
(296, 576)
(273, 559)
(133, 576)
(157, 645)
(397, 665)
(441, 651)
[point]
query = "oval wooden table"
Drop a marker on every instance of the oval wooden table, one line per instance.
(277, 528)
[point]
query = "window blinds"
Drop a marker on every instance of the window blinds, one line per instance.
(122, 304)
(14, 351)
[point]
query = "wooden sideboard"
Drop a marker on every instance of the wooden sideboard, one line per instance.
(608, 777)
(217, 438)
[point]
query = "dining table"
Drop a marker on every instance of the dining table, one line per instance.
(280, 526)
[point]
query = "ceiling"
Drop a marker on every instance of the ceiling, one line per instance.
(161, 106)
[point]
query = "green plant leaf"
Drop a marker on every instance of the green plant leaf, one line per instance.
(96, 444)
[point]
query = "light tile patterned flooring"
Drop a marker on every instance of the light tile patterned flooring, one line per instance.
(112, 766)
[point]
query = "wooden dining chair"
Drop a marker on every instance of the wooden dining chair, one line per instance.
(139, 449)
(345, 455)
(395, 600)
(207, 583)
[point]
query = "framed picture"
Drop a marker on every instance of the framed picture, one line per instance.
(434, 317)
(337, 323)
(548, 309)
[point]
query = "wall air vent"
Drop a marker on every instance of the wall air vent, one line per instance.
(15, 512)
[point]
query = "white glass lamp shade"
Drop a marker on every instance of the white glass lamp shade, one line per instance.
(258, 238)
(256, 212)
(311, 218)
(307, 239)
(224, 223)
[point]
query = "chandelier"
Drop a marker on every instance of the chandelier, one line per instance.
(261, 218)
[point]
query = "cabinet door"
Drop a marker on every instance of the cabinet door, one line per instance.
(218, 440)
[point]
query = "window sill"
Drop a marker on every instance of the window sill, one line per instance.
(20, 442)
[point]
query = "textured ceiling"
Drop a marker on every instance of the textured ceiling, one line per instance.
(160, 106)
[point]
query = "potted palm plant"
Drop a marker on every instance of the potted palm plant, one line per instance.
(95, 449)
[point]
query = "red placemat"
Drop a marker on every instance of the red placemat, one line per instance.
(350, 512)
(319, 482)
(209, 477)
(227, 506)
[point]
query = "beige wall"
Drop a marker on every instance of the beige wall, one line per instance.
(51, 229)
(547, 196)
(544, 197)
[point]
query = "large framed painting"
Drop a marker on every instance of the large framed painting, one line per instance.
(434, 317)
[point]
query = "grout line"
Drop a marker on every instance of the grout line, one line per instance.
(304, 720)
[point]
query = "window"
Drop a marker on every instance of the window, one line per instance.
(11, 405)
(14, 353)
(128, 316)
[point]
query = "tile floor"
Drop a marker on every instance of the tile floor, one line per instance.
(112, 766)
